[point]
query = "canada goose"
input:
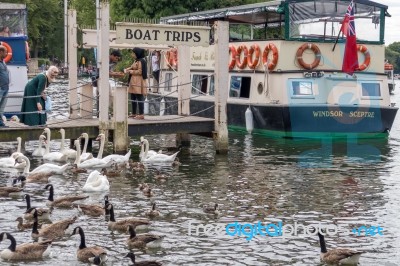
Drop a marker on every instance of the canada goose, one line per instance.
(51, 231)
(64, 202)
(131, 255)
(6, 191)
(90, 209)
(153, 212)
(84, 253)
(107, 212)
(338, 256)
(43, 213)
(25, 251)
(23, 226)
(211, 209)
(122, 224)
(141, 240)
(52, 156)
(70, 153)
(85, 155)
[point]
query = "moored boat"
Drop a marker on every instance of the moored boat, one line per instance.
(389, 70)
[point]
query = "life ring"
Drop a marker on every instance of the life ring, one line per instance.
(9, 52)
(232, 51)
(241, 64)
(275, 56)
(317, 53)
(254, 48)
(367, 57)
(172, 58)
(27, 55)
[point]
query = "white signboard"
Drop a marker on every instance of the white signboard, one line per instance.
(174, 35)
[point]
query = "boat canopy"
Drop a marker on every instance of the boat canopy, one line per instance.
(14, 17)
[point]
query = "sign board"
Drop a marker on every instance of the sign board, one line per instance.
(174, 35)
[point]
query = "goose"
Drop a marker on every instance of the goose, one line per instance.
(23, 226)
(43, 213)
(338, 256)
(85, 253)
(85, 155)
(39, 151)
(149, 152)
(90, 209)
(131, 255)
(107, 212)
(42, 171)
(52, 156)
(51, 231)
(63, 202)
(120, 159)
(70, 153)
(158, 158)
(153, 212)
(213, 209)
(96, 182)
(75, 169)
(141, 240)
(97, 162)
(25, 251)
(6, 191)
(122, 224)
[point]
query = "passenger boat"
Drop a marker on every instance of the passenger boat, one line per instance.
(286, 66)
(14, 16)
(389, 70)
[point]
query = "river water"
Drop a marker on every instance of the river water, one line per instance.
(260, 180)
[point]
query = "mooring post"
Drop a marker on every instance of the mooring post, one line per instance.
(120, 137)
(73, 65)
(221, 86)
(86, 102)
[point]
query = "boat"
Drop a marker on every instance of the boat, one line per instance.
(14, 16)
(389, 70)
(285, 63)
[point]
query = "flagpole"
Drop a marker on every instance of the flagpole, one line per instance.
(337, 38)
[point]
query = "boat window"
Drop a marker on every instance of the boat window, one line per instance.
(371, 89)
(240, 87)
(212, 86)
(168, 82)
(199, 84)
(13, 20)
(302, 88)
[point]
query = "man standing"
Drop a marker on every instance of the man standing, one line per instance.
(4, 82)
(155, 65)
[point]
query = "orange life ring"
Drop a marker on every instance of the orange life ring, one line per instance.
(172, 58)
(9, 52)
(239, 50)
(317, 53)
(254, 48)
(232, 51)
(367, 57)
(27, 55)
(275, 56)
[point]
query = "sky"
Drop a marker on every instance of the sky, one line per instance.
(392, 31)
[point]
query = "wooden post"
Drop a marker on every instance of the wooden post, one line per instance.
(73, 64)
(184, 90)
(221, 86)
(121, 140)
(86, 102)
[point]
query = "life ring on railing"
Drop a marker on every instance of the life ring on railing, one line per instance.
(239, 50)
(317, 53)
(9, 52)
(27, 55)
(367, 57)
(232, 51)
(254, 48)
(275, 56)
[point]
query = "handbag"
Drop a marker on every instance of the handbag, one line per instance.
(47, 104)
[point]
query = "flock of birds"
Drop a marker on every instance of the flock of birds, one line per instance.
(97, 181)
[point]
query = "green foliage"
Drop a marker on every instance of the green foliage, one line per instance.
(392, 54)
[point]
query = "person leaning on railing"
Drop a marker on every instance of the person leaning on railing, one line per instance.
(4, 82)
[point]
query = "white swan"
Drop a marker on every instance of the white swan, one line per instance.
(96, 182)
(118, 158)
(52, 156)
(149, 152)
(9, 162)
(71, 154)
(39, 151)
(158, 158)
(97, 162)
(47, 168)
(85, 155)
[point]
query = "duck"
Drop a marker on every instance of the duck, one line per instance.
(52, 156)
(85, 253)
(113, 172)
(39, 151)
(338, 256)
(143, 186)
(96, 182)
(131, 255)
(153, 212)
(120, 159)
(51, 231)
(48, 169)
(148, 192)
(23, 226)
(213, 209)
(85, 155)
(90, 209)
(63, 202)
(122, 224)
(75, 167)
(70, 153)
(43, 213)
(149, 152)
(25, 251)
(97, 162)
(176, 163)
(141, 240)
(160, 176)
(157, 158)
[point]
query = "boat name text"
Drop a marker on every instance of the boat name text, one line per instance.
(359, 114)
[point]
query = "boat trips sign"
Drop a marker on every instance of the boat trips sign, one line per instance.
(140, 33)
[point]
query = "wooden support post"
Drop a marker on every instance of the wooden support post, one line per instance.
(86, 102)
(221, 86)
(73, 65)
(121, 140)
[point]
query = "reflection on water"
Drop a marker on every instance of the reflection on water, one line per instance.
(346, 183)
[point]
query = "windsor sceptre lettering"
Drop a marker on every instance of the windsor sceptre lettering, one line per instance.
(170, 35)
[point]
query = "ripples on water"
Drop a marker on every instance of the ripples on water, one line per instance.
(260, 180)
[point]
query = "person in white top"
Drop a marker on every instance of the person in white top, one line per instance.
(155, 66)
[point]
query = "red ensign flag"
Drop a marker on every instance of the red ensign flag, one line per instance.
(350, 59)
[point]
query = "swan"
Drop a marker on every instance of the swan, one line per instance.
(39, 151)
(9, 162)
(47, 168)
(149, 153)
(85, 155)
(97, 162)
(76, 168)
(118, 158)
(96, 182)
(158, 158)
(52, 156)
(71, 154)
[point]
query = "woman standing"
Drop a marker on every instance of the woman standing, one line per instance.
(137, 82)
(34, 98)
